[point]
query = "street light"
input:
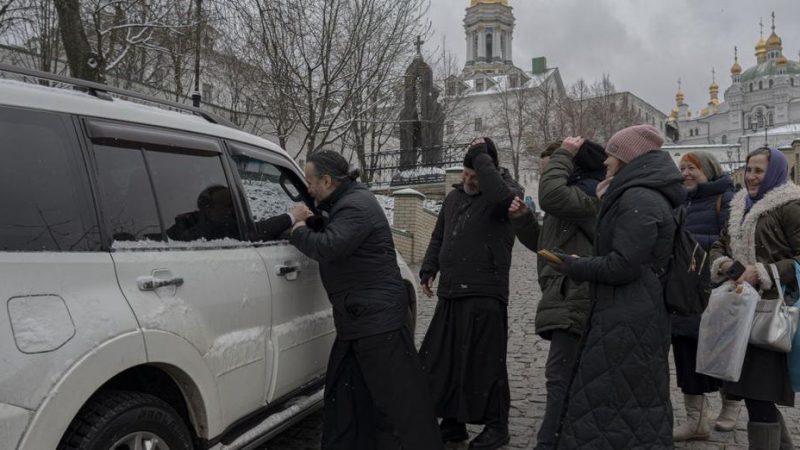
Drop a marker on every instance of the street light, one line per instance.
(754, 125)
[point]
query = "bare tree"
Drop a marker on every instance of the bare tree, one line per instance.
(515, 117)
(322, 54)
(83, 63)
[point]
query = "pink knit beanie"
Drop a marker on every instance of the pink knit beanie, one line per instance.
(632, 142)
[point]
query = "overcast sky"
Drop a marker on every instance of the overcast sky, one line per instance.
(645, 45)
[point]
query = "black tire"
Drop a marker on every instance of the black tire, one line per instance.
(112, 415)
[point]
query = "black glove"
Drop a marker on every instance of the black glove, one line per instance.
(565, 266)
(315, 223)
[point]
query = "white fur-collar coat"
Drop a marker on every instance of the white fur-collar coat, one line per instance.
(741, 229)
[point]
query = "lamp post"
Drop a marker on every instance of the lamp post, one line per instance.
(754, 126)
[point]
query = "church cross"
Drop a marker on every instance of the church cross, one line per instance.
(419, 44)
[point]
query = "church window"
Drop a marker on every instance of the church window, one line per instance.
(479, 86)
(760, 119)
(760, 85)
(724, 138)
(791, 82)
(503, 45)
(475, 46)
(691, 132)
(513, 81)
(478, 124)
(489, 44)
(751, 87)
(770, 82)
(451, 127)
(770, 119)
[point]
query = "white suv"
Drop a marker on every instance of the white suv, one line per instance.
(143, 307)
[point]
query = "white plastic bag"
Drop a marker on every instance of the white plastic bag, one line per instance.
(725, 330)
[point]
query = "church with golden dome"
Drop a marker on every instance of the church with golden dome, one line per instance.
(762, 104)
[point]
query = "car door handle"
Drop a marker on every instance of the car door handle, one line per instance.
(284, 270)
(289, 271)
(150, 283)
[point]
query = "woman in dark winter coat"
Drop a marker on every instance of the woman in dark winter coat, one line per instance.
(707, 209)
(619, 395)
(763, 229)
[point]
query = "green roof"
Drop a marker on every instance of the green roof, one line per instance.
(767, 69)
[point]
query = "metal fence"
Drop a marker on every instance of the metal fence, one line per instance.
(395, 167)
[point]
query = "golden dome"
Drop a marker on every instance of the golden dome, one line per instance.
(499, 2)
(761, 47)
(736, 69)
(781, 60)
(679, 97)
(774, 41)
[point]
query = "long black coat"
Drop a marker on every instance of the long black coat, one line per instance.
(472, 241)
(357, 262)
(619, 396)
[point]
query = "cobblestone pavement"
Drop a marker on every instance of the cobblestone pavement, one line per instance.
(527, 354)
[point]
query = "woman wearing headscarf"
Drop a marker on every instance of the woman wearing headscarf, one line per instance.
(707, 208)
(763, 229)
(619, 394)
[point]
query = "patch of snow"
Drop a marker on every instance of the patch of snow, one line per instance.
(432, 205)
(40, 323)
(302, 329)
(236, 349)
(266, 198)
(409, 191)
(273, 421)
(419, 172)
(204, 244)
(387, 203)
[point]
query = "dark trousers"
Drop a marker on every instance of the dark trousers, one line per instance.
(376, 396)
(557, 372)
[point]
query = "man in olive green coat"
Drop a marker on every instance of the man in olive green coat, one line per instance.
(566, 195)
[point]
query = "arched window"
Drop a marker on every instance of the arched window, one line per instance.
(503, 51)
(770, 118)
(760, 85)
(770, 83)
(724, 138)
(760, 119)
(791, 82)
(475, 46)
(751, 87)
(489, 46)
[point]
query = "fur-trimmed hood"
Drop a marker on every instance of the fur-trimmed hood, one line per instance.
(742, 227)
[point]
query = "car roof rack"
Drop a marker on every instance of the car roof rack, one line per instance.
(102, 91)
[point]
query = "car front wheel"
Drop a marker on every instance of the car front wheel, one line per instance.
(122, 420)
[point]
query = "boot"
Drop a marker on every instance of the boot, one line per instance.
(698, 424)
(491, 438)
(453, 430)
(728, 415)
(764, 436)
(786, 435)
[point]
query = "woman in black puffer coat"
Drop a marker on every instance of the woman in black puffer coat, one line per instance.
(707, 210)
(619, 394)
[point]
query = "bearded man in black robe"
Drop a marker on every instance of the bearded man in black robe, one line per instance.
(464, 350)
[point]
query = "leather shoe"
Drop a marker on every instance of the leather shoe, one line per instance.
(491, 438)
(453, 430)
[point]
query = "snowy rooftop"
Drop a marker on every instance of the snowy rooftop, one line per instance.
(500, 83)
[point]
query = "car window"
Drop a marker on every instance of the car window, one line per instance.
(193, 194)
(269, 190)
(126, 195)
(44, 192)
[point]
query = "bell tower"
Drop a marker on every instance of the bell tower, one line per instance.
(489, 29)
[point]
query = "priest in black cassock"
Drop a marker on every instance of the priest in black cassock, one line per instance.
(464, 350)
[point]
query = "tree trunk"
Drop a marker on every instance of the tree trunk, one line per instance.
(82, 62)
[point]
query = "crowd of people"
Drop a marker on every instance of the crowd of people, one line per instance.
(610, 221)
